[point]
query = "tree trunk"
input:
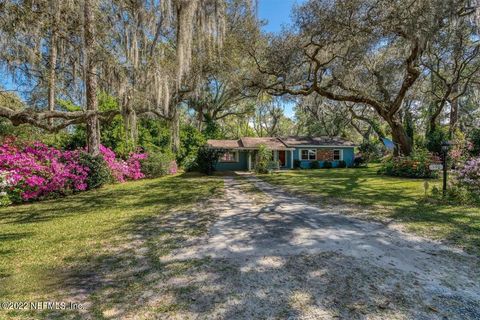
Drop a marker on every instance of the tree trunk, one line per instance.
(175, 129)
(453, 110)
(130, 123)
(93, 125)
(403, 143)
(52, 77)
(200, 118)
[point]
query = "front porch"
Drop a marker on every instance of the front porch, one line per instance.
(284, 157)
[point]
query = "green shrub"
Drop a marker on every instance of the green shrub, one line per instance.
(189, 163)
(264, 157)
(327, 165)
(342, 164)
(207, 159)
(359, 162)
(296, 164)
(415, 166)
(456, 194)
(99, 173)
(314, 165)
(372, 151)
(157, 164)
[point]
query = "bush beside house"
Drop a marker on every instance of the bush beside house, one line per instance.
(206, 160)
(327, 165)
(297, 164)
(415, 166)
(315, 165)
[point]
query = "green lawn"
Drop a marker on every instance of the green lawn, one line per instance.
(386, 198)
(102, 244)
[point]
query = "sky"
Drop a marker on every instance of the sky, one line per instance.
(277, 13)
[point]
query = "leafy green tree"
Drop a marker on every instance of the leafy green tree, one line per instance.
(191, 140)
(435, 138)
(212, 129)
(475, 140)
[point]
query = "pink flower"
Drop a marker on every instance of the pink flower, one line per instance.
(37, 170)
(123, 170)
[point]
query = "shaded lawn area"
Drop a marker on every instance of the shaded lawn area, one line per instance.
(382, 197)
(101, 247)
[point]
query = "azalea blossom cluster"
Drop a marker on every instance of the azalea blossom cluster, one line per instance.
(34, 170)
(469, 174)
(123, 170)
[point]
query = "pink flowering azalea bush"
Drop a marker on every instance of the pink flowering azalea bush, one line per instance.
(33, 170)
(469, 175)
(123, 170)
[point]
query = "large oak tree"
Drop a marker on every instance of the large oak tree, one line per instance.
(364, 52)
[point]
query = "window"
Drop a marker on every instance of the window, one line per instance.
(229, 156)
(337, 155)
(309, 154)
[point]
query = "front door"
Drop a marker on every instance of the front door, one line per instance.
(281, 158)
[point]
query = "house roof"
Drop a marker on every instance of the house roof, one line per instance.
(224, 144)
(317, 141)
(269, 142)
(278, 143)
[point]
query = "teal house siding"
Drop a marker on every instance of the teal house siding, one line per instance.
(348, 156)
(288, 162)
(242, 163)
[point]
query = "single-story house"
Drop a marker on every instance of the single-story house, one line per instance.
(241, 154)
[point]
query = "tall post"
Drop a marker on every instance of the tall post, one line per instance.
(444, 173)
(249, 161)
(291, 159)
(445, 147)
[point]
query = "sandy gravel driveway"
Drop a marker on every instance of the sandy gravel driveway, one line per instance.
(281, 258)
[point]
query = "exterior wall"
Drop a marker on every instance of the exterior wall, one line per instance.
(288, 163)
(242, 163)
(323, 153)
(326, 153)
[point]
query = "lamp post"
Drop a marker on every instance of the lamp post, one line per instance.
(445, 148)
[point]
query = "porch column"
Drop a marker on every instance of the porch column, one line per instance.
(291, 159)
(249, 161)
